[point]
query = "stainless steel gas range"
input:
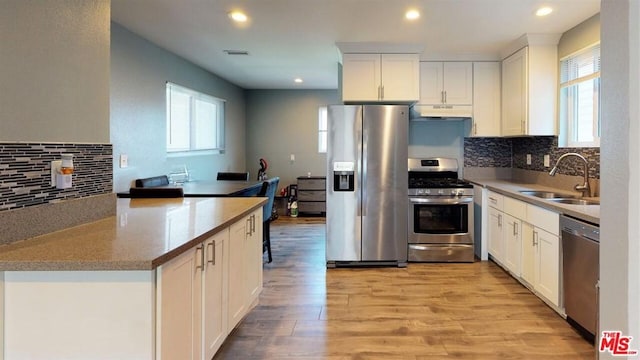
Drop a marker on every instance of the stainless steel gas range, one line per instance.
(440, 212)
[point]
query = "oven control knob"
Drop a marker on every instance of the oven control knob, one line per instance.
(440, 192)
(427, 191)
(454, 193)
(420, 191)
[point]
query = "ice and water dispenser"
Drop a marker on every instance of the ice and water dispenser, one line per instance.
(343, 176)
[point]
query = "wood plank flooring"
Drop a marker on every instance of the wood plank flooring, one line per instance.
(426, 311)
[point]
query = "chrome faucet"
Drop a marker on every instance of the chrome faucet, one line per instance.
(584, 188)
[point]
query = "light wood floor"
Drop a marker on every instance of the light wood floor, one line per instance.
(426, 311)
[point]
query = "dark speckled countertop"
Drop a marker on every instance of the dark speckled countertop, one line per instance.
(144, 234)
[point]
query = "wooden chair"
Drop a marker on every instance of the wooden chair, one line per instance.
(268, 190)
(154, 192)
(233, 176)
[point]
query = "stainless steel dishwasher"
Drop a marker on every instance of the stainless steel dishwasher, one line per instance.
(580, 256)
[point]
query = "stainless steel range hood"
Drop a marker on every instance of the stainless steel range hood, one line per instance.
(441, 112)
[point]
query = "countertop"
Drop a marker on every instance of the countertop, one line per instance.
(590, 213)
(144, 234)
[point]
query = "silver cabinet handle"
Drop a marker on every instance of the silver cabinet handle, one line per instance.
(248, 231)
(535, 238)
(445, 96)
(499, 219)
(379, 92)
(475, 129)
(515, 228)
(493, 200)
(442, 97)
(213, 253)
(253, 224)
(201, 249)
(382, 93)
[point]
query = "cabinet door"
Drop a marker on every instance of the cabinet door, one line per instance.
(237, 272)
(548, 265)
(458, 83)
(180, 304)
(514, 94)
(400, 77)
(214, 302)
(513, 244)
(431, 83)
(495, 234)
(253, 248)
(361, 77)
(529, 254)
(486, 99)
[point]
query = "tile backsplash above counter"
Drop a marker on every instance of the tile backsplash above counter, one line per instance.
(30, 206)
(507, 158)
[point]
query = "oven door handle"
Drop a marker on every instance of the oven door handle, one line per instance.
(441, 200)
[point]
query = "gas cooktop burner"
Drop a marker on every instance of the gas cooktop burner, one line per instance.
(426, 183)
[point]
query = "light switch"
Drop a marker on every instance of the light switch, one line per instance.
(292, 157)
(124, 160)
(528, 159)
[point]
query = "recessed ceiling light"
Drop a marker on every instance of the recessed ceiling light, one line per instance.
(297, 80)
(412, 14)
(544, 11)
(238, 16)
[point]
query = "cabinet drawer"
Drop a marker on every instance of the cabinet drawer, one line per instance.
(311, 184)
(544, 219)
(311, 195)
(515, 207)
(317, 206)
(495, 200)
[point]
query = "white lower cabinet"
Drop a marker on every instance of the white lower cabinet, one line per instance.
(496, 235)
(541, 262)
(524, 240)
(180, 306)
(245, 279)
(214, 294)
(205, 292)
(512, 244)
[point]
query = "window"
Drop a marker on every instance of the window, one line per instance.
(322, 129)
(580, 98)
(195, 121)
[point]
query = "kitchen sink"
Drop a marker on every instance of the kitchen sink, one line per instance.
(574, 201)
(546, 194)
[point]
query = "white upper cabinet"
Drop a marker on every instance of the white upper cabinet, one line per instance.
(529, 91)
(486, 99)
(380, 77)
(449, 83)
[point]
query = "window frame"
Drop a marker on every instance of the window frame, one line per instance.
(323, 132)
(567, 103)
(195, 97)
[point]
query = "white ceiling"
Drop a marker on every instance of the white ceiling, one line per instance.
(297, 38)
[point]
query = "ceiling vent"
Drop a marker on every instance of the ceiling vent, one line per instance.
(236, 52)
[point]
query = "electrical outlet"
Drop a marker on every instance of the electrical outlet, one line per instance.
(55, 169)
(528, 159)
(547, 161)
(124, 160)
(292, 158)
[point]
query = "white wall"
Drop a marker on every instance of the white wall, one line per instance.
(285, 122)
(54, 84)
(139, 72)
(438, 138)
(620, 168)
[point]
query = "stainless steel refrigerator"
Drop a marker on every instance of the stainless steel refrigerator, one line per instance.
(367, 201)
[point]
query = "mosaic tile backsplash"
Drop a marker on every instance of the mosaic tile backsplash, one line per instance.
(512, 152)
(25, 172)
